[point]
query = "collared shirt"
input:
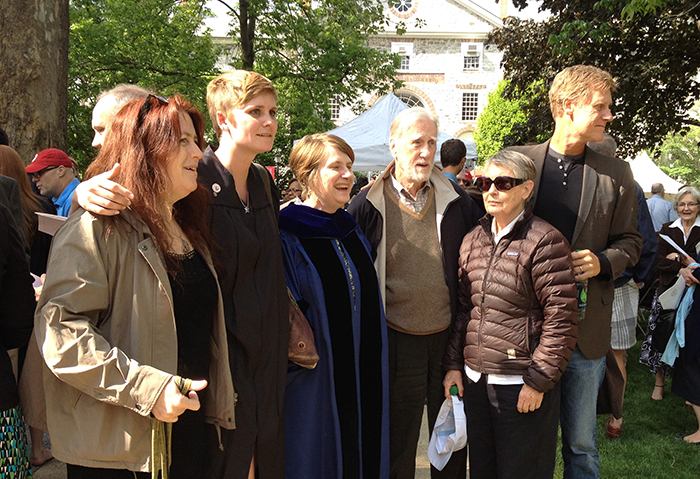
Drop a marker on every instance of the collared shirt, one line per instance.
(559, 194)
(451, 176)
(661, 211)
(500, 379)
(497, 236)
(416, 203)
(679, 224)
(63, 203)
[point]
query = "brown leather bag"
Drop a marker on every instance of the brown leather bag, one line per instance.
(302, 347)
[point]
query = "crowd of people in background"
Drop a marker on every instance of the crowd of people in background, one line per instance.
(154, 326)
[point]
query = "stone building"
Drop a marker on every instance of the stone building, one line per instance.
(447, 65)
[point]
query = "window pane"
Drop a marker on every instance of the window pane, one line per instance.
(472, 62)
(470, 106)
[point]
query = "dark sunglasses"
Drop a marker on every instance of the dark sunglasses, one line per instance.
(503, 183)
(146, 107)
(38, 174)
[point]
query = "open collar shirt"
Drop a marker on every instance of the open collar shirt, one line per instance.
(416, 203)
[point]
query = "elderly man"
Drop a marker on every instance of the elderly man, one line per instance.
(661, 211)
(52, 172)
(109, 102)
(415, 219)
(590, 198)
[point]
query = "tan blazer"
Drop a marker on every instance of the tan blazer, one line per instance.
(607, 225)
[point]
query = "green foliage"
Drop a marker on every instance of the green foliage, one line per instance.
(158, 44)
(499, 120)
(655, 57)
(679, 156)
(313, 52)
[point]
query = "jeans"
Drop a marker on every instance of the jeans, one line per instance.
(579, 394)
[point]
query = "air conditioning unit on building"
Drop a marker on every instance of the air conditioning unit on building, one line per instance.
(472, 49)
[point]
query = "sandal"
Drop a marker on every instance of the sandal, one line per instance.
(661, 386)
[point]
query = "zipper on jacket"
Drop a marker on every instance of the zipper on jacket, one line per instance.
(483, 296)
(350, 275)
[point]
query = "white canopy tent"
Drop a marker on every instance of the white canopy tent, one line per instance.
(368, 135)
(646, 173)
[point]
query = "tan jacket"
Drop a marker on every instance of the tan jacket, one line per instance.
(106, 329)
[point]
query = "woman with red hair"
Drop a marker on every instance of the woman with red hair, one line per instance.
(131, 307)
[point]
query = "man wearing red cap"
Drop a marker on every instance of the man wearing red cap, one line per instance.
(52, 171)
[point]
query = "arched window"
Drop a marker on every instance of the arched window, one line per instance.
(409, 99)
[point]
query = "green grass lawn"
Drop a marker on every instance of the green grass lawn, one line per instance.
(648, 448)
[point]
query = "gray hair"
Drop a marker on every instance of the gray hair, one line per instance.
(521, 165)
(123, 93)
(657, 189)
(409, 117)
(684, 191)
(606, 146)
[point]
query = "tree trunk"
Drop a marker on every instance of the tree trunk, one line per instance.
(247, 26)
(34, 74)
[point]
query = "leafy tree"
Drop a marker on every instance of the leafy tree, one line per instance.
(158, 44)
(678, 156)
(313, 52)
(500, 122)
(654, 54)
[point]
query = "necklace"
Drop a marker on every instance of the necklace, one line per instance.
(245, 206)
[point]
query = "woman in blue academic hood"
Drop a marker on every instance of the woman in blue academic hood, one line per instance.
(337, 415)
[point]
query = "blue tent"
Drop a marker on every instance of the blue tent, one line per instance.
(368, 135)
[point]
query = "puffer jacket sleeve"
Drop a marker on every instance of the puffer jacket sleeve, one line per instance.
(75, 299)
(454, 352)
(555, 287)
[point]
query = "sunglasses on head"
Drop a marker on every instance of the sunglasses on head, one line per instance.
(145, 108)
(503, 183)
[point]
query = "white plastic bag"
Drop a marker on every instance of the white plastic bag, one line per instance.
(449, 433)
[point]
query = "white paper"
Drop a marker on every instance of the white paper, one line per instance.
(674, 244)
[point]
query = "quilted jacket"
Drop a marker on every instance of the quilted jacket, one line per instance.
(518, 308)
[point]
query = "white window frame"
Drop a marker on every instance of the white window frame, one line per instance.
(334, 105)
(472, 52)
(406, 51)
(470, 107)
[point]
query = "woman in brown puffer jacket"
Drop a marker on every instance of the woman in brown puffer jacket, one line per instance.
(515, 329)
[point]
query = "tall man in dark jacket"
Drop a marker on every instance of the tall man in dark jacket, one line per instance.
(591, 199)
(415, 219)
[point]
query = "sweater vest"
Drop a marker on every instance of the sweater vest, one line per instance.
(417, 298)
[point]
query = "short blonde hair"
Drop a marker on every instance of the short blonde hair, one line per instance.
(232, 89)
(308, 153)
(576, 83)
(408, 117)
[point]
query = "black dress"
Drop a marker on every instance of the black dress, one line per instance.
(194, 302)
(686, 369)
(248, 256)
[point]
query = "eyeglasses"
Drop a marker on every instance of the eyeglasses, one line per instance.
(39, 173)
(503, 183)
(146, 107)
(689, 205)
